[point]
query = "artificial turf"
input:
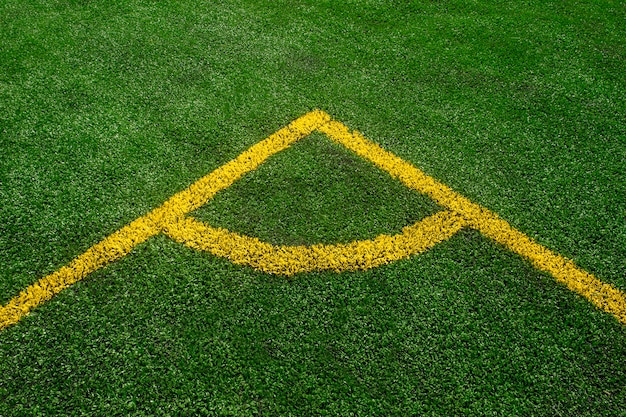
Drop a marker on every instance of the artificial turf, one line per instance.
(107, 109)
(321, 193)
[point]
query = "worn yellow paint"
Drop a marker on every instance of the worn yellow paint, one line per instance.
(171, 219)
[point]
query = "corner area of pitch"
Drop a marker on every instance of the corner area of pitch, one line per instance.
(171, 219)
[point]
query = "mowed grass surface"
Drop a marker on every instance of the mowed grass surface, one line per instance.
(106, 110)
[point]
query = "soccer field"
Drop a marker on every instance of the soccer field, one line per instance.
(186, 253)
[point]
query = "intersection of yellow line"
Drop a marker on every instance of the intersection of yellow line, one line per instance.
(289, 260)
(170, 218)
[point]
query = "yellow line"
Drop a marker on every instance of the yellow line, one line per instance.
(603, 295)
(110, 249)
(289, 260)
(223, 177)
(124, 240)
(170, 218)
(400, 169)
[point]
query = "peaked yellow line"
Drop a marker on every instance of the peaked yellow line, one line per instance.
(170, 219)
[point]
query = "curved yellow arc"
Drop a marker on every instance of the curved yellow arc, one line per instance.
(290, 260)
(171, 219)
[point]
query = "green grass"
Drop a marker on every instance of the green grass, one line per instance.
(109, 108)
(317, 192)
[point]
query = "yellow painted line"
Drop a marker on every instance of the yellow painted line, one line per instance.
(604, 296)
(223, 177)
(114, 247)
(124, 240)
(287, 260)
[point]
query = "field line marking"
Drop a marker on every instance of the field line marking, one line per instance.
(201, 191)
(170, 218)
(290, 260)
(114, 247)
(120, 243)
(602, 295)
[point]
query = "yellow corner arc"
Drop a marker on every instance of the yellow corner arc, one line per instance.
(171, 219)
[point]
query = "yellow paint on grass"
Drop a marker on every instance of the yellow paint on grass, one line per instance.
(603, 295)
(171, 219)
(289, 260)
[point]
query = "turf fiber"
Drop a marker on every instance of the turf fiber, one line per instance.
(109, 108)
